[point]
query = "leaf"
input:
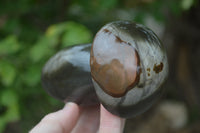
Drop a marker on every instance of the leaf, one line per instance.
(68, 33)
(54, 33)
(75, 34)
(187, 4)
(10, 100)
(7, 73)
(40, 50)
(9, 45)
(32, 75)
(56, 30)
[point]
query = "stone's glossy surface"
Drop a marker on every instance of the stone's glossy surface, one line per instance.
(114, 64)
(66, 75)
(128, 66)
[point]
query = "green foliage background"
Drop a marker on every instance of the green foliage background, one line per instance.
(33, 30)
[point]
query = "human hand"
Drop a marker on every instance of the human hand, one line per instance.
(75, 119)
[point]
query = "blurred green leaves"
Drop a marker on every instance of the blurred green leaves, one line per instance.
(9, 100)
(32, 75)
(75, 34)
(21, 64)
(93, 6)
(68, 34)
(105, 4)
(60, 36)
(41, 50)
(9, 45)
(7, 73)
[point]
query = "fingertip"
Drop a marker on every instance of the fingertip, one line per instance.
(70, 106)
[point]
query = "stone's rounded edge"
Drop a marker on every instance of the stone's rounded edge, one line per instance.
(118, 106)
(66, 76)
(136, 109)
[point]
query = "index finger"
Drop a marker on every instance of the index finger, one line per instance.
(62, 121)
(110, 123)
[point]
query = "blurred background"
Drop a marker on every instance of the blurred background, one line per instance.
(33, 30)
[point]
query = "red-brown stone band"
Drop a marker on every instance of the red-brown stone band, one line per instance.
(116, 68)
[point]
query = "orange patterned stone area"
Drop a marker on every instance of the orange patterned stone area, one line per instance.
(115, 72)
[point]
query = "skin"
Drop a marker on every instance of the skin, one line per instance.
(75, 119)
